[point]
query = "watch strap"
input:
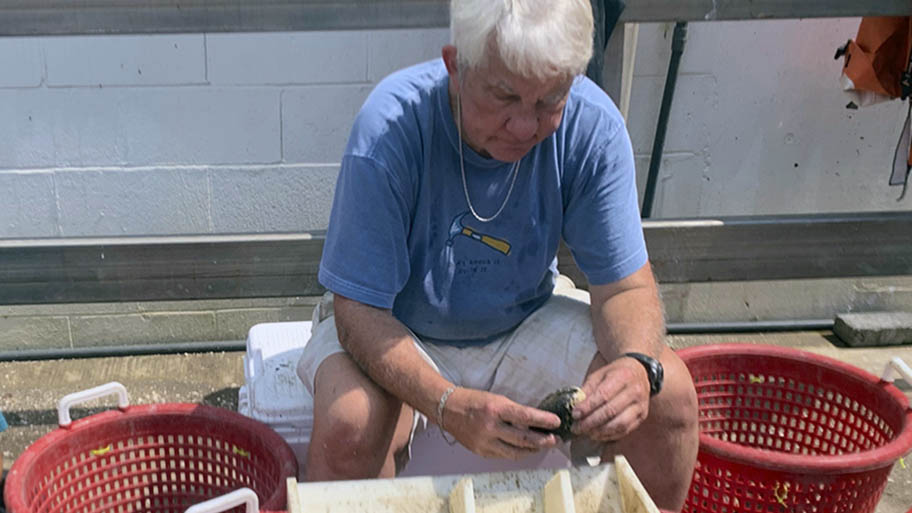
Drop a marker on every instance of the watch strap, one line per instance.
(654, 371)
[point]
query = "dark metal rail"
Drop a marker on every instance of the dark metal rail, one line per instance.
(283, 265)
(68, 17)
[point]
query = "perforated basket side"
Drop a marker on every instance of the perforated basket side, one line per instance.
(782, 428)
(721, 486)
(159, 458)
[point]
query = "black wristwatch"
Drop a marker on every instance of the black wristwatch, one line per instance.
(654, 371)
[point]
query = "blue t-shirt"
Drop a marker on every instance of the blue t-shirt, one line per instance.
(401, 236)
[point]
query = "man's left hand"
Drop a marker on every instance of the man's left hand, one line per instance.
(617, 401)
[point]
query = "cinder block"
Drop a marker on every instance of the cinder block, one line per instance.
(148, 328)
(28, 207)
(21, 62)
(287, 57)
(125, 60)
(746, 301)
(679, 189)
(234, 324)
(693, 113)
(272, 198)
(316, 121)
(874, 328)
(412, 46)
(138, 126)
(28, 333)
(133, 202)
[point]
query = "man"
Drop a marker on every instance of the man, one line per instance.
(460, 177)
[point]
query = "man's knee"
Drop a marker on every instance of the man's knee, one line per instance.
(348, 449)
(675, 407)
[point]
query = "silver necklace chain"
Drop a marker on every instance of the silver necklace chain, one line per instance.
(465, 186)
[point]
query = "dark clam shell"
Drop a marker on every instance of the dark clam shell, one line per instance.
(561, 404)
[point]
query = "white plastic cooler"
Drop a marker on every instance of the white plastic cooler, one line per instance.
(272, 392)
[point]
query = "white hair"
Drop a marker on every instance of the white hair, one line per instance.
(534, 38)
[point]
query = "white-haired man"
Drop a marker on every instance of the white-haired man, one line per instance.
(460, 177)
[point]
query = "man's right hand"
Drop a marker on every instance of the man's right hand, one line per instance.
(493, 426)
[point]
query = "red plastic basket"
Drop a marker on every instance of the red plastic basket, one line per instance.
(151, 458)
(783, 430)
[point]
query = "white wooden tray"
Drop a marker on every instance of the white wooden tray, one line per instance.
(607, 488)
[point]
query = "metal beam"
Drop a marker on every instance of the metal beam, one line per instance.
(68, 17)
(157, 268)
(212, 267)
(712, 10)
(781, 247)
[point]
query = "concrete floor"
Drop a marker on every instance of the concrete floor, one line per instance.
(30, 390)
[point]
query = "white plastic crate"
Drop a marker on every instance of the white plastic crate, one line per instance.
(274, 395)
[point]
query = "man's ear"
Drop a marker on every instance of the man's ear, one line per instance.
(449, 60)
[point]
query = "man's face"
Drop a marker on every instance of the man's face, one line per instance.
(504, 115)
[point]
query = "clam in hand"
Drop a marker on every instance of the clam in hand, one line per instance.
(561, 404)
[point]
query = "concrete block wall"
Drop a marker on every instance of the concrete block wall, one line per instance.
(183, 134)
(225, 133)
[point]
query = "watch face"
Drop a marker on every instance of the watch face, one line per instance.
(656, 384)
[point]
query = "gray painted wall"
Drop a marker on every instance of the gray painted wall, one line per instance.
(759, 124)
(226, 133)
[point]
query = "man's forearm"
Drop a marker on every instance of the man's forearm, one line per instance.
(384, 350)
(628, 317)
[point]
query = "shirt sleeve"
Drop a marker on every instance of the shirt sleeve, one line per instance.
(601, 212)
(365, 256)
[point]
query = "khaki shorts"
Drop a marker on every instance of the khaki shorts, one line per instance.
(550, 349)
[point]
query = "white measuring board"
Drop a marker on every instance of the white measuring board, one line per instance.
(608, 488)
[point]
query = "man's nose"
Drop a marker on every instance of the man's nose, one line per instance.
(522, 125)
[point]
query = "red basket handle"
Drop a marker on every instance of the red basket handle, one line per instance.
(63, 406)
(228, 501)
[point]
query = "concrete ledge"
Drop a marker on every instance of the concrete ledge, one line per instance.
(874, 328)
(66, 326)
(747, 301)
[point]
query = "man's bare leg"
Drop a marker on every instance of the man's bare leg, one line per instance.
(358, 427)
(663, 449)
